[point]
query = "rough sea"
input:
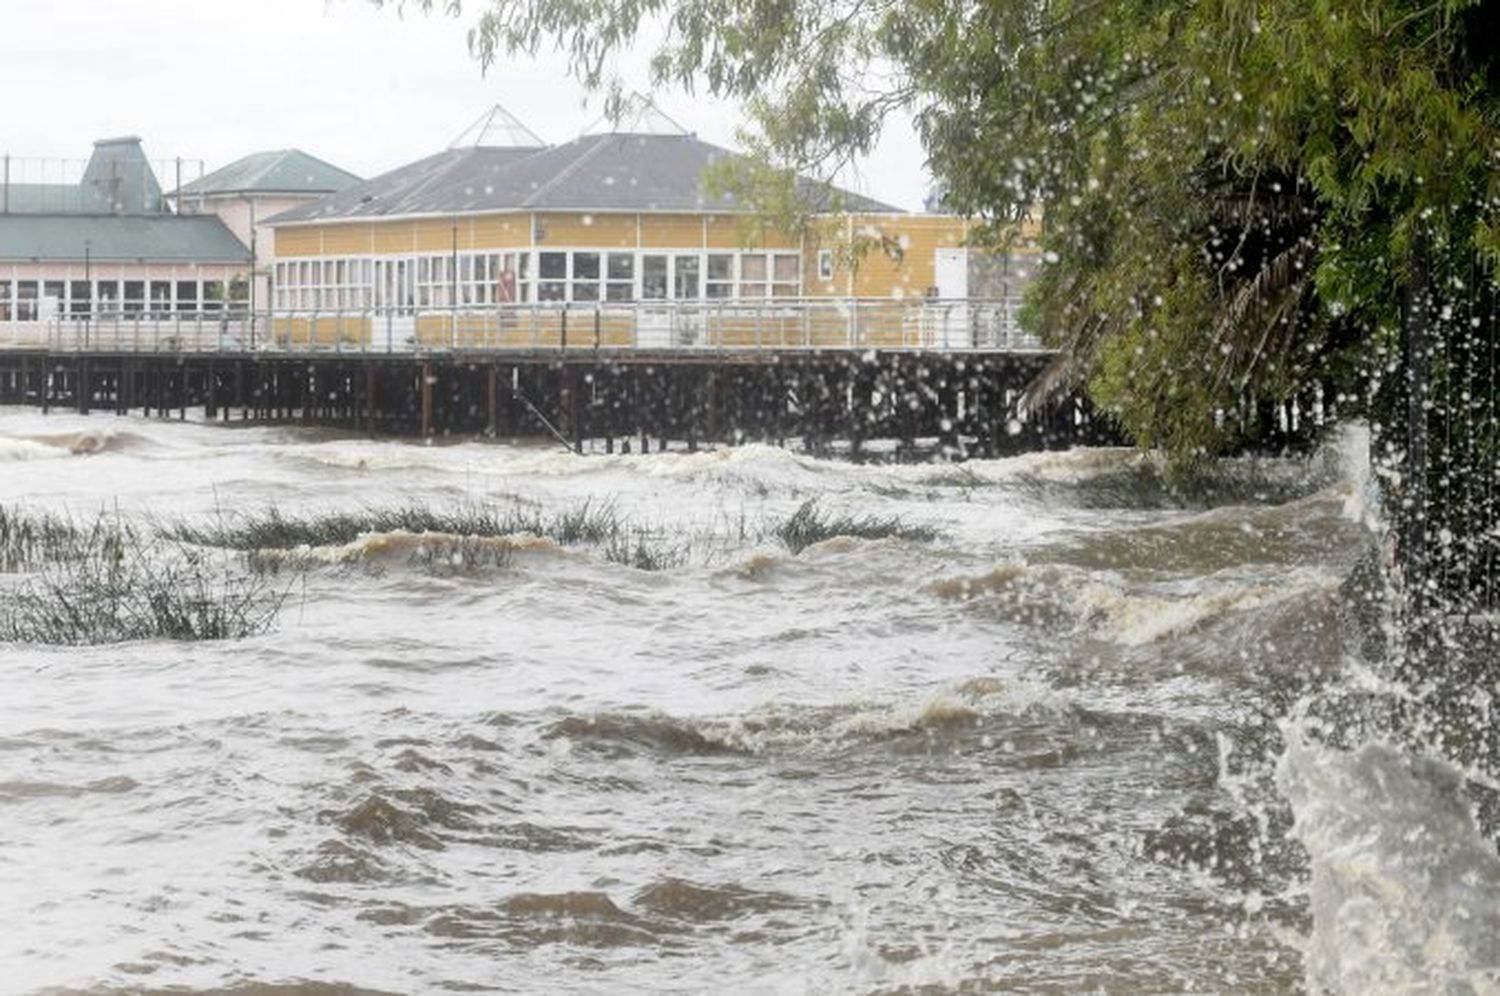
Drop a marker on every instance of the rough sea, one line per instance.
(1061, 735)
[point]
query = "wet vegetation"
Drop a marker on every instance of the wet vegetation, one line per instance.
(811, 524)
(103, 582)
(271, 529)
(28, 539)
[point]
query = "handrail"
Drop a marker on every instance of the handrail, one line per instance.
(737, 325)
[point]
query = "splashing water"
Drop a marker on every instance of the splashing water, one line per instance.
(1063, 734)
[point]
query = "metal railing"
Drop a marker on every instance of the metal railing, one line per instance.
(772, 324)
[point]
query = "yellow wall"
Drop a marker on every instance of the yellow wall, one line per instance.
(671, 231)
(907, 270)
(428, 235)
(893, 254)
(591, 230)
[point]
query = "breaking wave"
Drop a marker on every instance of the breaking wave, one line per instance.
(91, 442)
(1106, 608)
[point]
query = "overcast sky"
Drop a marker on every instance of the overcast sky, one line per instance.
(368, 90)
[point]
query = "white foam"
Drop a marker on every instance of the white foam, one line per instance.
(18, 450)
(1405, 890)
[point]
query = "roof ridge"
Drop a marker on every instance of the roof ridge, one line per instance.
(571, 168)
(274, 158)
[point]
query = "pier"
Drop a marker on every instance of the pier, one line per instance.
(622, 378)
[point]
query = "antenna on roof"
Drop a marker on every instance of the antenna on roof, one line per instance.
(497, 128)
(634, 114)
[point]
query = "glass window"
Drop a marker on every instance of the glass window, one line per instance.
(58, 292)
(585, 276)
(685, 287)
(825, 264)
(26, 292)
(79, 298)
(553, 270)
(161, 297)
(585, 266)
(107, 293)
(621, 266)
(653, 277)
(503, 278)
(187, 295)
(621, 274)
(135, 296)
(720, 282)
(786, 271)
(5, 301)
(213, 295)
(753, 275)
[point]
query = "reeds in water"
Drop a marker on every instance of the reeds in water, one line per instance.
(104, 583)
(27, 540)
(270, 529)
(811, 524)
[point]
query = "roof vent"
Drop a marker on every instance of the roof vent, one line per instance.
(634, 114)
(497, 128)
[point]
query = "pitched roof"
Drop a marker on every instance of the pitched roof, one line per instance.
(51, 198)
(283, 171)
(155, 238)
(605, 172)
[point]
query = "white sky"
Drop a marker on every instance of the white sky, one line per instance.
(359, 87)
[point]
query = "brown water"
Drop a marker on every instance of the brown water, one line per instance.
(1045, 751)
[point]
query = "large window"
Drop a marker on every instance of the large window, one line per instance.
(57, 291)
(552, 276)
(26, 301)
(586, 276)
(753, 275)
(485, 279)
(5, 301)
(685, 278)
(187, 295)
(621, 283)
(720, 275)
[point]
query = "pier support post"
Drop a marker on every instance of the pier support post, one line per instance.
(81, 387)
(492, 385)
(426, 399)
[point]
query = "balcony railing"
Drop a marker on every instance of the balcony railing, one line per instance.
(740, 326)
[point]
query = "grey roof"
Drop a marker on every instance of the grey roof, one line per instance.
(155, 238)
(284, 171)
(611, 172)
(119, 172)
(453, 176)
(51, 198)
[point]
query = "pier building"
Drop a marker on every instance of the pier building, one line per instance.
(109, 245)
(615, 240)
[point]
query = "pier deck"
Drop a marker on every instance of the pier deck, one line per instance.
(606, 374)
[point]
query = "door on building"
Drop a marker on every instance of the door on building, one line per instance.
(949, 324)
(653, 329)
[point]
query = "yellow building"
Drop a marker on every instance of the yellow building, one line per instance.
(609, 240)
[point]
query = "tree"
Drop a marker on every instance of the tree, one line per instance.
(1241, 199)
(1230, 190)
